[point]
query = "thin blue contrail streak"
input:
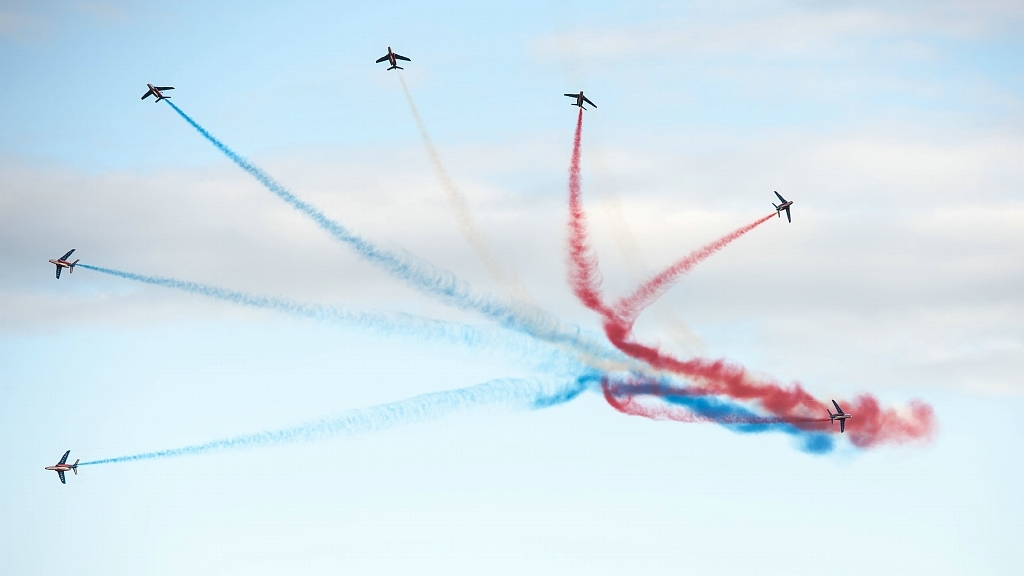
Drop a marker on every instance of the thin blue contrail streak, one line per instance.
(395, 323)
(511, 393)
(422, 274)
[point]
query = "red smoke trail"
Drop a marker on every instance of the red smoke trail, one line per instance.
(624, 398)
(629, 307)
(584, 276)
(630, 406)
(871, 425)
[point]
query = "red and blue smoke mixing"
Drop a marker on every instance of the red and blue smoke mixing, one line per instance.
(781, 404)
(634, 378)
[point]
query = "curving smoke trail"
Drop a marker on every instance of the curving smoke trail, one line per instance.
(515, 394)
(506, 276)
(690, 405)
(793, 404)
(527, 349)
(431, 279)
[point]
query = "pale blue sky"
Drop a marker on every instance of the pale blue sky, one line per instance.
(899, 133)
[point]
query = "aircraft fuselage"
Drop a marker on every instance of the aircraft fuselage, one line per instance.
(783, 206)
(61, 263)
(156, 92)
(62, 468)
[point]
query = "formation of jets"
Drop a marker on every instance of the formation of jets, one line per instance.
(839, 415)
(62, 263)
(61, 467)
(156, 91)
(392, 58)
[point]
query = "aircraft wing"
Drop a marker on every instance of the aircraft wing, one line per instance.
(788, 217)
(58, 272)
(62, 480)
(400, 57)
(165, 87)
(147, 94)
(780, 197)
(587, 100)
(842, 426)
(573, 95)
(65, 257)
(382, 58)
(838, 409)
(64, 458)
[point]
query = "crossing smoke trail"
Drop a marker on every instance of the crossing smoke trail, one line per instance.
(688, 405)
(429, 278)
(516, 394)
(538, 354)
(463, 216)
(526, 349)
(874, 425)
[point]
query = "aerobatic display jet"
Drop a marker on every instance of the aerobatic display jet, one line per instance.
(61, 467)
(784, 206)
(62, 262)
(392, 58)
(156, 91)
(840, 415)
(580, 99)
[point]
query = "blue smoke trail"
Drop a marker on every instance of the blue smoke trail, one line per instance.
(731, 415)
(424, 275)
(527, 349)
(512, 393)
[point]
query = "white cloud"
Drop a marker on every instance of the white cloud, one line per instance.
(772, 30)
(902, 266)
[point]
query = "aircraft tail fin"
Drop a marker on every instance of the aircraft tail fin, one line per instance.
(831, 416)
(72, 267)
(75, 466)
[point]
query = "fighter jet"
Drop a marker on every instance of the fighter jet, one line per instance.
(580, 99)
(62, 262)
(61, 467)
(391, 57)
(840, 415)
(155, 91)
(784, 206)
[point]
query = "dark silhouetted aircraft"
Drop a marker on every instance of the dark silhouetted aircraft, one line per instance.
(61, 467)
(784, 206)
(580, 99)
(391, 57)
(62, 262)
(840, 415)
(155, 91)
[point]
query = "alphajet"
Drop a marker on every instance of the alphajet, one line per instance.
(62, 262)
(784, 206)
(156, 91)
(392, 58)
(61, 467)
(580, 99)
(840, 415)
